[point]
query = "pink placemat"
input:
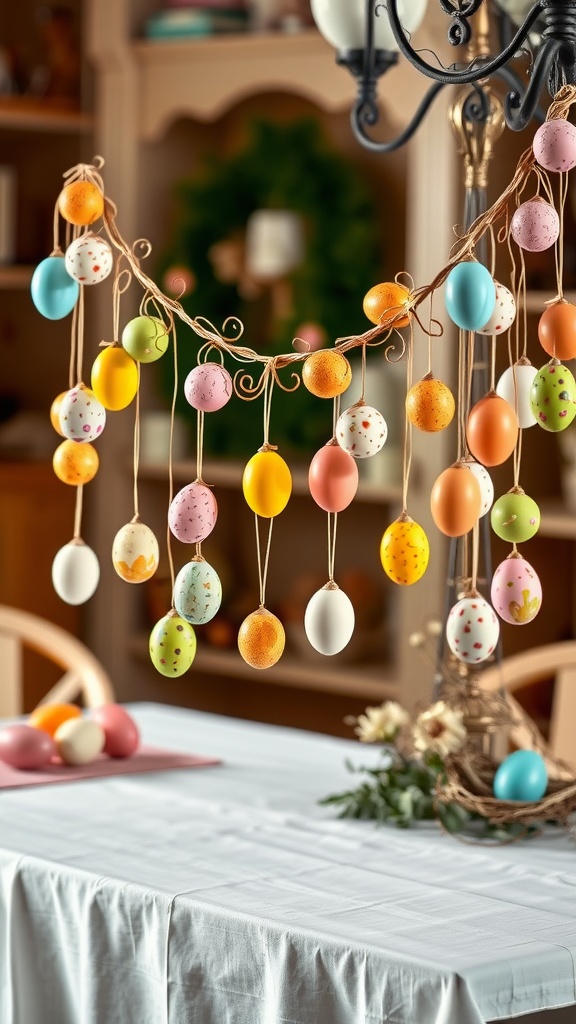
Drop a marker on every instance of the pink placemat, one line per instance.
(146, 759)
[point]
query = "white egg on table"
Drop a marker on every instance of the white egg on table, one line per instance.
(79, 740)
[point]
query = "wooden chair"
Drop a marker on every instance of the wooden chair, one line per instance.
(551, 661)
(84, 675)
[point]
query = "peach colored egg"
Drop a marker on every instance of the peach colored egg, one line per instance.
(430, 404)
(261, 639)
(492, 430)
(557, 330)
(121, 734)
(75, 463)
(49, 717)
(326, 373)
(81, 202)
(333, 478)
(55, 412)
(455, 501)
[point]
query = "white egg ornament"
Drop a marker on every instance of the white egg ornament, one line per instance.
(503, 314)
(81, 416)
(193, 512)
(89, 259)
(79, 741)
(197, 591)
(472, 630)
(329, 620)
(515, 387)
(135, 552)
(516, 591)
(484, 482)
(208, 387)
(75, 572)
(361, 431)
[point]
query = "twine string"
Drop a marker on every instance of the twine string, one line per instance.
(263, 568)
(78, 512)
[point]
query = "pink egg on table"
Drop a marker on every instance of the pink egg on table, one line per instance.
(208, 387)
(23, 746)
(122, 735)
(535, 225)
(193, 512)
(555, 145)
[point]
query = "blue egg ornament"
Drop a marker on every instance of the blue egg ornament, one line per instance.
(54, 292)
(521, 776)
(470, 295)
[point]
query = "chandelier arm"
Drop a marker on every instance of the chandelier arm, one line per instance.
(481, 69)
(517, 88)
(519, 110)
(363, 113)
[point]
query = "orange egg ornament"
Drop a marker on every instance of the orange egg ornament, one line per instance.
(55, 412)
(455, 501)
(75, 463)
(326, 373)
(557, 330)
(430, 404)
(261, 639)
(492, 430)
(49, 717)
(385, 301)
(81, 202)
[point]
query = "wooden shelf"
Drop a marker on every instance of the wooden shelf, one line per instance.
(536, 301)
(25, 114)
(557, 521)
(16, 276)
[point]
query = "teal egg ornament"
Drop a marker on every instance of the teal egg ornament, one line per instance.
(553, 397)
(172, 645)
(515, 517)
(54, 292)
(521, 776)
(470, 295)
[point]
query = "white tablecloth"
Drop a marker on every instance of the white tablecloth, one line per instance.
(226, 895)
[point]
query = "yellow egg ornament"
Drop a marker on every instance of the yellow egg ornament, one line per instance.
(430, 404)
(404, 551)
(326, 373)
(114, 378)
(261, 639)
(74, 463)
(267, 483)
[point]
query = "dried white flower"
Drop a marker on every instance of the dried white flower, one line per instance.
(439, 730)
(380, 724)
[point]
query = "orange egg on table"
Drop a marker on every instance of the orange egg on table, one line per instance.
(49, 717)
(385, 301)
(430, 404)
(81, 202)
(261, 639)
(557, 330)
(455, 501)
(492, 430)
(75, 463)
(326, 373)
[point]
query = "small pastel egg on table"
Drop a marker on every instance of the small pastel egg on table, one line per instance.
(208, 387)
(75, 572)
(48, 717)
(261, 639)
(333, 477)
(193, 513)
(404, 551)
(89, 259)
(121, 734)
(535, 225)
(516, 591)
(361, 431)
(326, 373)
(267, 484)
(521, 776)
(484, 482)
(329, 620)
(515, 517)
(54, 292)
(172, 645)
(430, 404)
(79, 741)
(470, 295)
(197, 591)
(514, 386)
(553, 397)
(135, 552)
(82, 417)
(26, 747)
(472, 630)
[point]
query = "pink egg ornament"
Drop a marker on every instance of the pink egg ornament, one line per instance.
(535, 225)
(333, 477)
(193, 512)
(516, 591)
(554, 145)
(26, 748)
(208, 387)
(121, 734)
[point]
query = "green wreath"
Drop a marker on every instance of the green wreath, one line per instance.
(283, 167)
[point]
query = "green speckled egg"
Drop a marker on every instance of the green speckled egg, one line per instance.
(172, 645)
(515, 517)
(553, 397)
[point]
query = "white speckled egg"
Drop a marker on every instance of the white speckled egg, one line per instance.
(81, 416)
(485, 483)
(516, 591)
(79, 740)
(208, 387)
(472, 630)
(75, 572)
(535, 225)
(197, 591)
(361, 431)
(135, 552)
(193, 512)
(514, 387)
(329, 620)
(89, 259)
(504, 312)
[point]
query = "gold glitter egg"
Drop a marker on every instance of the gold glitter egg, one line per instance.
(404, 551)
(261, 639)
(430, 404)
(326, 373)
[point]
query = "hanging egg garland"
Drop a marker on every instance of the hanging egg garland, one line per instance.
(81, 203)
(114, 378)
(470, 295)
(75, 464)
(89, 259)
(557, 330)
(75, 572)
(208, 387)
(492, 430)
(145, 338)
(554, 145)
(535, 225)
(329, 620)
(135, 552)
(553, 397)
(514, 386)
(333, 477)
(326, 373)
(485, 483)
(193, 513)
(53, 291)
(404, 551)
(361, 431)
(172, 645)
(387, 301)
(267, 483)
(515, 516)
(261, 639)
(430, 404)
(472, 630)
(82, 417)
(197, 591)
(455, 501)
(503, 314)
(516, 591)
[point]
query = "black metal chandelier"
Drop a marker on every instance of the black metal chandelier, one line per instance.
(547, 35)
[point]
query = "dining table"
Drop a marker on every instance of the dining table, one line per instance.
(225, 892)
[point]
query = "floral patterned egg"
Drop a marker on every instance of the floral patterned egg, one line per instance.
(135, 552)
(82, 417)
(472, 630)
(193, 512)
(485, 483)
(504, 313)
(516, 591)
(515, 517)
(361, 431)
(554, 145)
(553, 397)
(197, 591)
(261, 639)
(430, 404)
(404, 551)
(535, 225)
(89, 259)
(514, 387)
(326, 373)
(208, 387)
(172, 645)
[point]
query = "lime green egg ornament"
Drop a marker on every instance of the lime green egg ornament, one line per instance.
(553, 397)
(145, 338)
(515, 517)
(172, 645)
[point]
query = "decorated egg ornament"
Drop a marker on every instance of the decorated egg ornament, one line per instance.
(485, 483)
(81, 203)
(554, 145)
(516, 591)
(197, 591)
(404, 551)
(208, 387)
(553, 397)
(267, 484)
(361, 431)
(470, 295)
(326, 373)
(193, 512)
(430, 404)
(503, 314)
(75, 464)
(261, 639)
(82, 417)
(145, 338)
(172, 645)
(89, 259)
(535, 225)
(135, 552)
(515, 516)
(472, 630)
(386, 302)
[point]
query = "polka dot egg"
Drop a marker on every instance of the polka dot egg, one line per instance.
(208, 387)
(472, 630)
(430, 404)
(535, 225)
(361, 431)
(81, 416)
(404, 551)
(89, 259)
(504, 313)
(516, 591)
(553, 397)
(193, 512)
(135, 552)
(172, 645)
